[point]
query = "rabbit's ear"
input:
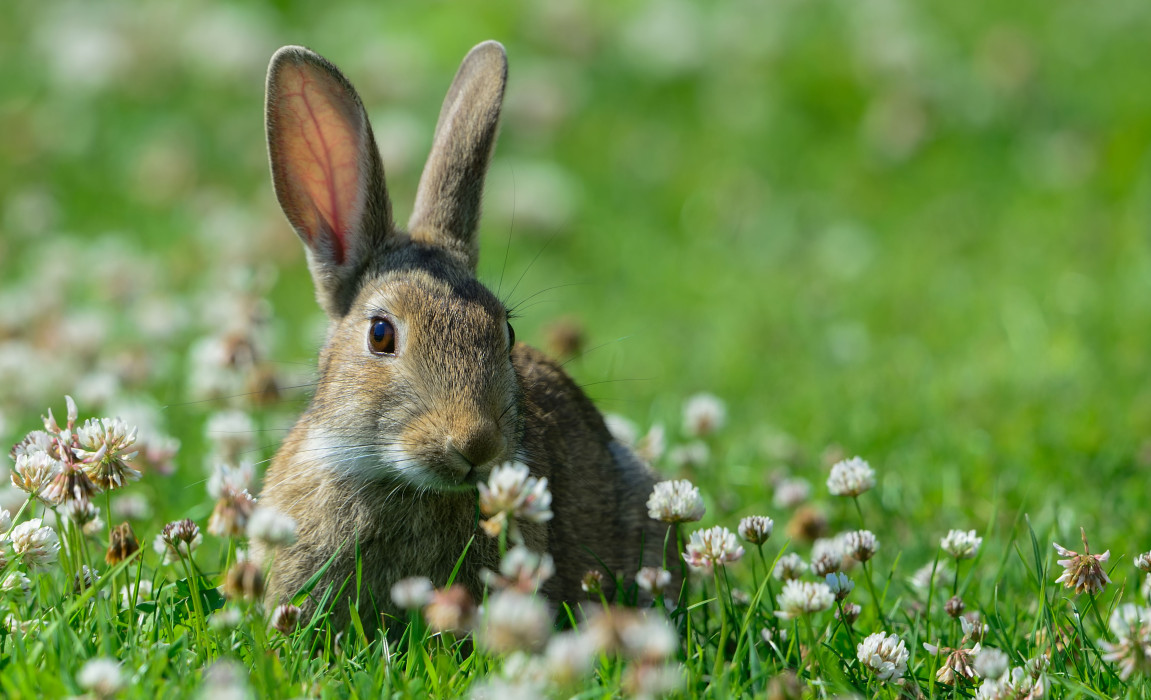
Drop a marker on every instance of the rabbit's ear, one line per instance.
(447, 207)
(326, 171)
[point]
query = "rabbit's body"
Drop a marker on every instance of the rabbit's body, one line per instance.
(422, 390)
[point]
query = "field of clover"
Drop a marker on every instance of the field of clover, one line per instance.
(868, 283)
(756, 613)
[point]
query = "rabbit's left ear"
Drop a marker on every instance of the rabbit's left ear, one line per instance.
(447, 210)
(326, 171)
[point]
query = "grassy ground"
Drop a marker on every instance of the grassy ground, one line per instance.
(917, 232)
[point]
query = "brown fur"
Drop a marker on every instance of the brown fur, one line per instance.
(387, 455)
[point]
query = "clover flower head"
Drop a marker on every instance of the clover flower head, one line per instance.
(851, 477)
(885, 656)
(514, 622)
(961, 545)
(958, 665)
(703, 414)
(285, 618)
(271, 527)
(1143, 562)
(756, 529)
(1083, 572)
(790, 493)
(522, 570)
(803, 597)
(1131, 650)
(991, 663)
(789, 567)
(860, 545)
(653, 580)
(511, 492)
(35, 543)
(102, 676)
(105, 450)
(412, 593)
(450, 610)
(839, 585)
(675, 502)
(34, 471)
(712, 547)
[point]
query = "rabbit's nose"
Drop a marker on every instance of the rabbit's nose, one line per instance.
(479, 445)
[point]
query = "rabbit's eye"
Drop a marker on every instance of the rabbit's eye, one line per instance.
(382, 337)
(511, 336)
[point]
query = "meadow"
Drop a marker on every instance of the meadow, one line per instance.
(919, 233)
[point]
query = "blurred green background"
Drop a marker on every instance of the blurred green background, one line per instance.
(916, 230)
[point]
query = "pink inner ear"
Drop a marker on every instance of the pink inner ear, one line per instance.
(320, 148)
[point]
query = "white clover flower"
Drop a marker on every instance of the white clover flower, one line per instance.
(102, 677)
(225, 619)
(35, 442)
(623, 430)
(34, 471)
(412, 593)
(570, 656)
(712, 547)
(703, 415)
(991, 663)
(1131, 650)
(38, 546)
(790, 566)
(802, 598)
(511, 489)
(1083, 572)
(143, 592)
(231, 477)
(922, 579)
(5, 522)
(1143, 562)
(651, 446)
(851, 477)
(285, 618)
(648, 638)
(827, 556)
(16, 585)
(691, 455)
(514, 622)
(522, 569)
(861, 545)
(884, 655)
(756, 529)
(178, 539)
(132, 506)
(675, 502)
(960, 544)
(839, 585)
(790, 493)
(106, 448)
(653, 580)
(272, 527)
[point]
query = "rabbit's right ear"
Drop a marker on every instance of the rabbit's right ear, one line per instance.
(326, 171)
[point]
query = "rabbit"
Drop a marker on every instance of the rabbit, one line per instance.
(422, 388)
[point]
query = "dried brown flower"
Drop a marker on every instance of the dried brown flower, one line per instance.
(123, 544)
(244, 581)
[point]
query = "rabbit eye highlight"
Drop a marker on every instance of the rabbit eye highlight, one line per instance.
(511, 336)
(382, 337)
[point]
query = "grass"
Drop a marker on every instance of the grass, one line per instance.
(916, 232)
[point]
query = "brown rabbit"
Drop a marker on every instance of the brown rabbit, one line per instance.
(422, 389)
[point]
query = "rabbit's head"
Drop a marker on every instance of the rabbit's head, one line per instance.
(416, 379)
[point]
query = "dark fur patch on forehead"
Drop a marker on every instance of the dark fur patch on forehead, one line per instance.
(430, 263)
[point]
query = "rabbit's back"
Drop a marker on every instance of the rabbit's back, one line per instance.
(599, 487)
